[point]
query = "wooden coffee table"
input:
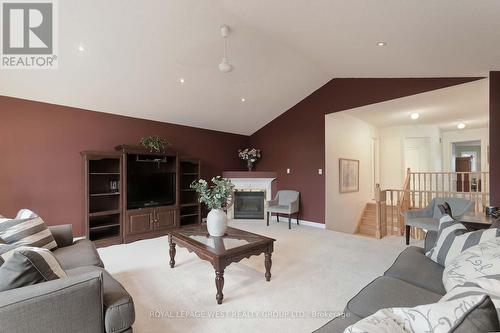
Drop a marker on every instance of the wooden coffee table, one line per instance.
(235, 245)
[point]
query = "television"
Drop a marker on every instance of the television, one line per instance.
(150, 183)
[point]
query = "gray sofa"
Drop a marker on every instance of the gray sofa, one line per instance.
(412, 280)
(90, 300)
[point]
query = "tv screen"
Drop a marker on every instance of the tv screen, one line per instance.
(148, 186)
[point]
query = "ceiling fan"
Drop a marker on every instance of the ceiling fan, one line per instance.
(224, 65)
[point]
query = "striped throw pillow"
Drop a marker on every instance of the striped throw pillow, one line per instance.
(27, 265)
(485, 285)
(30, 232)
(453, 239)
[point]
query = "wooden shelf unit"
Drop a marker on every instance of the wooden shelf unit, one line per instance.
(149, 221)
(107, 218)
(103, 202)
(190, 208)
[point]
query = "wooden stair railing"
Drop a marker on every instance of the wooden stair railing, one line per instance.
(380, 212)
(404, 201)
(419, 189)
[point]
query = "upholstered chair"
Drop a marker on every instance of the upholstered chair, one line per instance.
(286, 202)
(428, 217)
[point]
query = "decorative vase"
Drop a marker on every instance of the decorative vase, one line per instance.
(249, 165)
(216, 222)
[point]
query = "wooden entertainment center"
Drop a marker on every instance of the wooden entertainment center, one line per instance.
(133, 194)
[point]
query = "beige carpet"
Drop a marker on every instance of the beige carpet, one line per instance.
(314, 273)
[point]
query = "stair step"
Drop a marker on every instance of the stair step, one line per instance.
(366, 230)
(365, 235)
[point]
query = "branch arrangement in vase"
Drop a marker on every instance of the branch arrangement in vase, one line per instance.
(216, 197)
(155, 143)
(251, 155)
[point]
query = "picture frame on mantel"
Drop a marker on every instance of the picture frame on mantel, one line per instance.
(348, 175)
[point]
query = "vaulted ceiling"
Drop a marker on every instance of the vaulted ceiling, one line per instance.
(465, 103)
(135, 53)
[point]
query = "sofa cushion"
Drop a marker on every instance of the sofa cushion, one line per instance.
(6, 251)
(465, 315)
(119, 313)
(25, 266)
(388, 292)
(81, 253)
(339, 324)
(28, 232)
(413, 266)
(489, 285)
(477, 261)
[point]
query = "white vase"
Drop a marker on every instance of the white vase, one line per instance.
(216, 222)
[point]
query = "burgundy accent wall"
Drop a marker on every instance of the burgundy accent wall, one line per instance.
(296, 139)
(495, 138)
(41, 166)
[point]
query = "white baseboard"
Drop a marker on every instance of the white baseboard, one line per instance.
(313, 224)
(302, 222)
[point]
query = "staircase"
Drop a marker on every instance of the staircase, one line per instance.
(367, 223)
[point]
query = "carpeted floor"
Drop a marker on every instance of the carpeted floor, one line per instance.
(314, 273)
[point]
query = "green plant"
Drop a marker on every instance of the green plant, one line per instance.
(155, 143)
(215, 196)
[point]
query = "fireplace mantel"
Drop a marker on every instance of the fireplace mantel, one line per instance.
(249, 174)
(250, 181)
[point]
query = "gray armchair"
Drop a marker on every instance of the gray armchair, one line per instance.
(286, 202)
(428, 217)
(89, 300)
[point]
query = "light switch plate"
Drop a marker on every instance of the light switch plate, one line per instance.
(287, 171)
(320, 171)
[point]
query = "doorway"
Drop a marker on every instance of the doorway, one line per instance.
(418, 154)
(470, 149)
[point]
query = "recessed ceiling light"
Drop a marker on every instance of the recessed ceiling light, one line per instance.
(81, 48)
(381, 44)
(181, 80)
(461, 125)
(243, 99)
(415, 115)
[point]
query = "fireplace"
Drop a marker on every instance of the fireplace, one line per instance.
(249, 204)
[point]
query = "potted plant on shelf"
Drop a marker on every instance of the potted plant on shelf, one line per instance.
(217, 198)
(249, 155)
(155, 143)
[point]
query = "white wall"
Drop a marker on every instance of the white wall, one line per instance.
(392, 152)
(347, 137)
(450, 137)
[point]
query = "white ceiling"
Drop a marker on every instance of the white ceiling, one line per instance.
(467, 103)
(136, 52)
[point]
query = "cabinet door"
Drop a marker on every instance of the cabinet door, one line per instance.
(164, 218)
(140, 221)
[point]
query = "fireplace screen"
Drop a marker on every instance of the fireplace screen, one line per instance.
(249, 205)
